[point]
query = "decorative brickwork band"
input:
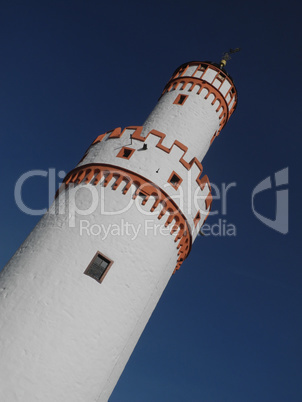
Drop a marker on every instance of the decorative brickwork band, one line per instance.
(118, 132)
(193, 82)
(94, 173)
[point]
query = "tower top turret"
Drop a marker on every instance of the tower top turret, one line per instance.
(208, 75)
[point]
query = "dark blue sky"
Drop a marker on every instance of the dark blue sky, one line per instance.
(228, 326)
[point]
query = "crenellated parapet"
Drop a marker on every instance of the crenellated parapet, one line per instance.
(118, 132)
(162, 163)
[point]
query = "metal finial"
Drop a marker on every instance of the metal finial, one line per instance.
(226, 56)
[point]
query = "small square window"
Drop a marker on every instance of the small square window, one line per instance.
(98, 267)
(180, 99)
(175, 180)
(125, 153)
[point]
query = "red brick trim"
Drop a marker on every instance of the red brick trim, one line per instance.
(208, 201)
(197, 218)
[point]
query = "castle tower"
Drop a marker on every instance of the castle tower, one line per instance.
(76, 296)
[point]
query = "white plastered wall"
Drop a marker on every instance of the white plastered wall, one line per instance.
(64, 336)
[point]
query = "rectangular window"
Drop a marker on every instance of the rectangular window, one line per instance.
(125, 153)
(98, 267)
(180, 99)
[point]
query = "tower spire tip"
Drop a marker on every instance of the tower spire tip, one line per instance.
(226, 56)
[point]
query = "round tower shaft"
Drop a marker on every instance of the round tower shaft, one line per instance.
(76, 296)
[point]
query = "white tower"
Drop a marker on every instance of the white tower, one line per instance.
(73, 300)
